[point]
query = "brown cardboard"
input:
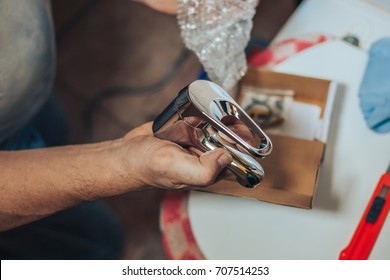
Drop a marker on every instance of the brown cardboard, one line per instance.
(292, 167)
(309, 90)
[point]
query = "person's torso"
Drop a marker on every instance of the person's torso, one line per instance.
(27, 61)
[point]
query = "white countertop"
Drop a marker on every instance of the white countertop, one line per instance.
(235, 228)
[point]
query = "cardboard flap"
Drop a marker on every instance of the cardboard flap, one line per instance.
(309, 90)
(291, 169)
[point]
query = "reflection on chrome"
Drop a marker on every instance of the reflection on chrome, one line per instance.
(204, 116)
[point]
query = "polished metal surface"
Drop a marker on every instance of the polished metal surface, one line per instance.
(205, 117)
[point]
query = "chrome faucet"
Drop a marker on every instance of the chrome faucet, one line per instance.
(205, 117)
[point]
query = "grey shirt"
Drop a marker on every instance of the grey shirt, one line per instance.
(27, 61)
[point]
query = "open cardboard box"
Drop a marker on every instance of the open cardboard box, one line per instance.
(291, 169)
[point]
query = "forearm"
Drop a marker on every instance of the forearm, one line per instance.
(36, 183)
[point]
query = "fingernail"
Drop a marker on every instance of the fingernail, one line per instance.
(224, 160)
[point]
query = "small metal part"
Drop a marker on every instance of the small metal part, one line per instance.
(206, 117)
(352, 39)
(384, 191)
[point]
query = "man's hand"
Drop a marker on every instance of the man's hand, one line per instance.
(165, 6)
(161, 163)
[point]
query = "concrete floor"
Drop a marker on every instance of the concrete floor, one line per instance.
(111, 57)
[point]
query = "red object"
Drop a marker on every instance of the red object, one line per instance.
(178, 240)
(283, 50)
(370, 223)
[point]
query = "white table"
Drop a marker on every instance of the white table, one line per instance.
(234, 228)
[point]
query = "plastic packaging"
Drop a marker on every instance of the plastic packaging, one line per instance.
(218, 32)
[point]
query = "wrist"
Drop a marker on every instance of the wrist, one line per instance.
(116, 169)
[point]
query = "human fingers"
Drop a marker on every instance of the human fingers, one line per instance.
(164, 6)
(202, 170)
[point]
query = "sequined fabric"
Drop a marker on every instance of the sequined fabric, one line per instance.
(218, 32)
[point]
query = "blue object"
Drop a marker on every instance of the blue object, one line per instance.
(203, 75)
(374, 90)
(27, 138)
(88, 231)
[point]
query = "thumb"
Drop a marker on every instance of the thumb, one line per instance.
(216, 159)
(200, 171)
(211, 164)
